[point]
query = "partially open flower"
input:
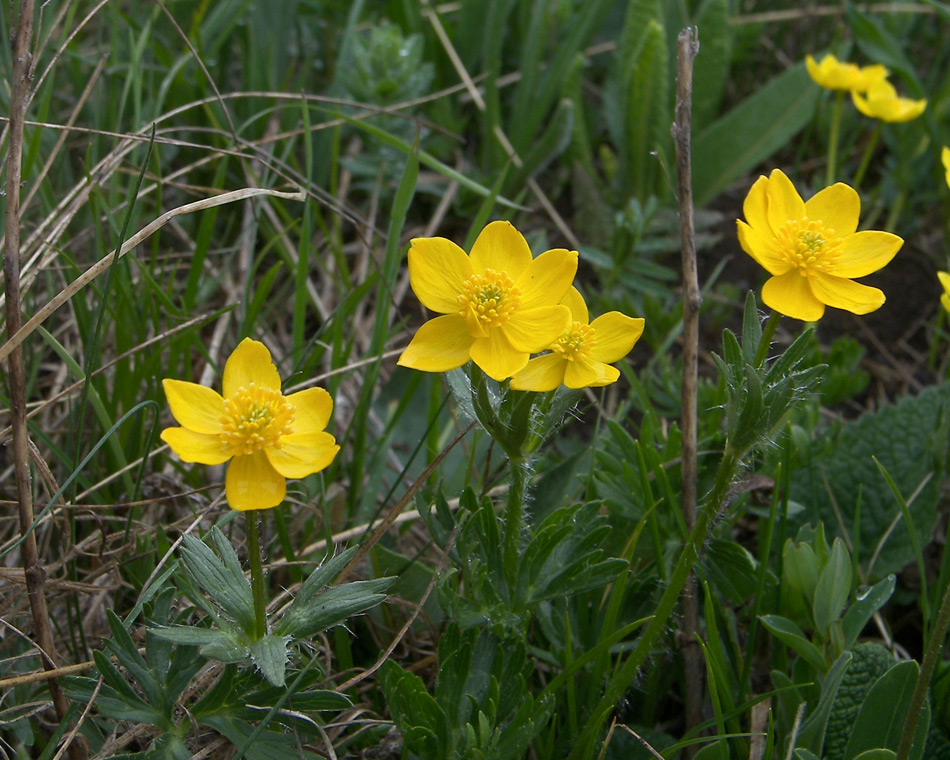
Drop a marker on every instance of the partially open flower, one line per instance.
(266, 436)
(882, 102)
(833, 74)
(499, 304)
(812, 250)
(582, 355)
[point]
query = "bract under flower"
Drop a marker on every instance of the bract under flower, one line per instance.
(499, 304)
(833, 74)
(582, 355)
(882, 102)
(266, 436)
(812, 250)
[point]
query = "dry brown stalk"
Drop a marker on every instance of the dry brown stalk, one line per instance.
(688, 47)
(34, 573)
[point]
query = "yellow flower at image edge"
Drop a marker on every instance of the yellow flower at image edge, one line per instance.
(882, 102)
(582, 356)
(945, 160)
(266, 436)
(944, 278)
(833, 74)
(499, 304)
(812, 250)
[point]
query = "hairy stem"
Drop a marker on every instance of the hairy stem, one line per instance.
(253, 521)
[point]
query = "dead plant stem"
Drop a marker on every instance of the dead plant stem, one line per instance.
(693, 670)
(33, 571)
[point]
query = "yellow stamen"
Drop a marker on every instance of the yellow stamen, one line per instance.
(576, 343)
(488, 300)
(255, 418)
(809, 246)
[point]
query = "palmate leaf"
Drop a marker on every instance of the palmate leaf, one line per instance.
(220, 576)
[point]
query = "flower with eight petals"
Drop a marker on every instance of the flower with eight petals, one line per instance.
(812, 249)
(266, 436)
(499, 304)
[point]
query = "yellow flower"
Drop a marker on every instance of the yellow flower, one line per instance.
(500, 305)
(812, 250)
(581, 356)
(944, 278)
(945, 158)
(266, 435)
(833, 74)
(882, 102)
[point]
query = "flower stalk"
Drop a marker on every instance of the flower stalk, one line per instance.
(834, 137)
(252, 526)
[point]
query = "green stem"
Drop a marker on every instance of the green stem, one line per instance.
(866, 158)
(514, 519)
(833, 138)
(934, 645)
(625, 675)
(896, 208)
(252, 521)
(768, 333)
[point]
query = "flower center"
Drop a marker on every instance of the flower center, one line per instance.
(576, 343)
(255, 418)
(809, 246)
(488, 300)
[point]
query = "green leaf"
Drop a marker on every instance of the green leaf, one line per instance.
(712, 63)
(833, 589)
(908, 440)
(881, 720)
(221, 579)
(419, 718)
(313, 614)
(789, 633)
(269, 654)
(864, 607)
(812, 733)
(752, 131)
(877, 754)
(800, 568)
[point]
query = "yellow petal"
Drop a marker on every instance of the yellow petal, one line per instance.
(543, 373)
(589, 374)
(252, 483)
(615, 335)
(790, 295)
(249, 363)
(439, 345)
(945, 301)
(574, 301)
(437, 270)
(846, 294)
(196, 407)
(945, 158)
(837, 207)
(784, 202)
(865, 252)
(496, 357)
(534, 330)
(547, 278)
(312, 410)
(302, 454)
(196, 447)
(755, 207)
(501, 247)
(760, 248)
(944, 278)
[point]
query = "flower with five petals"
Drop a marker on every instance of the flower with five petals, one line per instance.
(812, 249)
(882, 102)
(582, 355)
(499, 304)
(833, 74)
(266, 436)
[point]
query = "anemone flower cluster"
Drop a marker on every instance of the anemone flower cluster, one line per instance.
(499, 305)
